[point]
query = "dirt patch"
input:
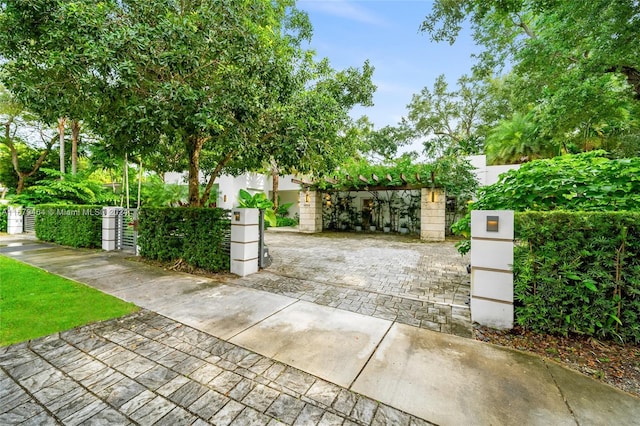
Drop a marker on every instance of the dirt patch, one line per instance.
(610, 362)
(181, 266)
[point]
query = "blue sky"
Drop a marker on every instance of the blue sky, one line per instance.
(386, 32)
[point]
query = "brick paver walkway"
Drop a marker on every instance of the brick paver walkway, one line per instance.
(146, 369)
(421, 284)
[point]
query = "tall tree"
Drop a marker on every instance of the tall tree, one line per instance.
(448, 120)
(574, 65)
(50, 61)
(13, 115)
(210, 76)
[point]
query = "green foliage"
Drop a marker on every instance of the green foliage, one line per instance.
(577, 272)
(453, 174)
(286, 221)
(258, 201)
(573, 66)
(226, 82)
(35, 303)
(69, 190)
(515, 141)
(3, 219)
(156, 193)
(27, 157)
(586, 182)
(199, 236)
(448, 120)
(69, 225)
(580, 182)
(283, 209)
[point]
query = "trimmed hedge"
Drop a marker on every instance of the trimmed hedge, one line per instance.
(3, 219)
(69, 225)
(578, 272)
(199, 236)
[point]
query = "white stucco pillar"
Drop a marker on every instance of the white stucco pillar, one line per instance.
(110, 216)
(15, 220)
(492, 233)
(245, 236)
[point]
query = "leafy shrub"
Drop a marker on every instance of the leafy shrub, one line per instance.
(73, 190)
(199, 236)
(581, 182)
(286, 221)
(258, 201)
(156, 193)
(69, 225)
(578, 272)
(3, 219)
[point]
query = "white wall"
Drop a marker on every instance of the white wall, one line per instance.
(229, 187)
(488, 175)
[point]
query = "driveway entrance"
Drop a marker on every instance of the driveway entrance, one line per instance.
(386, 276)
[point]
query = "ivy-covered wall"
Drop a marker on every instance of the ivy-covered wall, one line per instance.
(198, 236)
(578, 272)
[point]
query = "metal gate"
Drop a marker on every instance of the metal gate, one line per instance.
(127, 230)
(29, 220)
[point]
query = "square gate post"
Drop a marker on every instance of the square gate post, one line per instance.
(110, 216)
(432, 214)
(310, 211)
(245, 236)
(492, 233)
(15, 220)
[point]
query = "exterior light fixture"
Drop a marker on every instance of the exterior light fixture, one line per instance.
(433, 196)
(224, 198)
(492, 223)
(307, 197)
(236, 216)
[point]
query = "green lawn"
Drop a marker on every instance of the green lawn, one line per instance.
(35, 303)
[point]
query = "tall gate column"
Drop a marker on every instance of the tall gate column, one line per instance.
(432, 214)
(110, 216)
(15, 220)
(492, 233)
(245, 241)
(310, 211)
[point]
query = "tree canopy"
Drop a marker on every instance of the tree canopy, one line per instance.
(228, 81)
(572, 67)
(448, 120)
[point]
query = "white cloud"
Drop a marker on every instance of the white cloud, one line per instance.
(343, 9)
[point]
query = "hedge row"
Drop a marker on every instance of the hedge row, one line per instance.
(578, 272)
(69, 225)
(199, 236)
(3, 219)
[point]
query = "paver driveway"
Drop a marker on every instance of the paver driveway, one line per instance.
(386, 276)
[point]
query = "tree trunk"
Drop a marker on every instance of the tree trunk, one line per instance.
(275, 182)
(14, 157)
(61, 122)
(139, 183)
(275, 178)
(126, 178)
(194, 147)
(214, 175)
(75, 135)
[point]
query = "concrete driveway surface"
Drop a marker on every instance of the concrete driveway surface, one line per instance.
(255, 351)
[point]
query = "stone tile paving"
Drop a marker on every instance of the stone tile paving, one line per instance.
(395, 278)
(147, 369)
